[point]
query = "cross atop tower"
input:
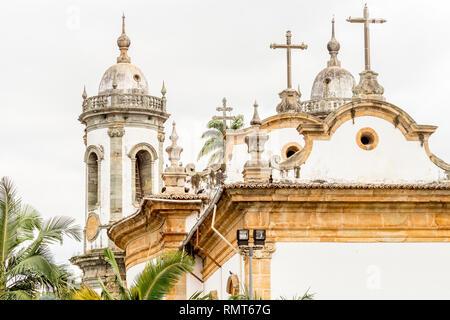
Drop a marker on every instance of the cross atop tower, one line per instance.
(367, 21)
(224, 111)
(288, 46)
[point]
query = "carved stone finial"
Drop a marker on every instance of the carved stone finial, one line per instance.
(163, 90)
(256, 121)
(175, 175)
(84, 95)
(174, 150)
(333, 47)
(124, 43)
(174, 136)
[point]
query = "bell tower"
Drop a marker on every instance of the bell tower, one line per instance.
(124, 138)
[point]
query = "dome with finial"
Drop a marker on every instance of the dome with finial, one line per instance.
(123, 77)
(333, 81)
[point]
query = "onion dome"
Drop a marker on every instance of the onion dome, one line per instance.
(123, 76)
(333, 81)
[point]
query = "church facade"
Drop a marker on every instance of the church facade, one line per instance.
(353, 202)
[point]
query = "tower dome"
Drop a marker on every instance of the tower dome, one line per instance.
(123, 76)
(333, 81)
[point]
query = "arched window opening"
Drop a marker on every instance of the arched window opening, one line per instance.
(93, 179)
(143, 175)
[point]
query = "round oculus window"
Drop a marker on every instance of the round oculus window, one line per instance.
(367, 139)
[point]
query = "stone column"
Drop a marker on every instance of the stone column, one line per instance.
(261, 270)
(261, 258)
(116, 133)
(161, 138)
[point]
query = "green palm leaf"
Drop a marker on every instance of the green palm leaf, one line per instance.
(160, 275)
(109, 257)
(85, 293)
(211, 145)
(215, 157)
(26, 263)
(211, 133)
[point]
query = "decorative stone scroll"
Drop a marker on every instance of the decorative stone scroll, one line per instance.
(116, 132)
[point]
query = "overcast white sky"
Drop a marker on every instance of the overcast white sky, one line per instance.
(204, 51)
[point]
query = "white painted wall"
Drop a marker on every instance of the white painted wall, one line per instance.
(132, 272)
(340, 159)
(394, 160)
(361, 270)
(279, 138)
(193, 284)
(218, 280)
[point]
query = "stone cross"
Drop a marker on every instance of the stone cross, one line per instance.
(367, 23)
(288, 46)
(224, 116)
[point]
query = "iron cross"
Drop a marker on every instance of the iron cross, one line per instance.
(366, 22)
(288, 46)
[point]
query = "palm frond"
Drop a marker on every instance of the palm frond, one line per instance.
(160, 275)
(215, 124)
(215, 157)
(105, 293)
(15, 295)
(211, 145)
(36, 264)
(109, 257)
(55, 228)
(238, 122)
(211, 133)
(197, 295)
(26, 267)
(8, 218)
(85, 293)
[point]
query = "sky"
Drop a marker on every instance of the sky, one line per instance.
(204, 51)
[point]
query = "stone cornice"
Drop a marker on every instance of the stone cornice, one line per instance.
(424, 186)
(150, 216)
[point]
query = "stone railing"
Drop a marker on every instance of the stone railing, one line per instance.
(323, 105)
(125, 101)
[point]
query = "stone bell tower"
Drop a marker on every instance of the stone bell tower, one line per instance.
(124, 138)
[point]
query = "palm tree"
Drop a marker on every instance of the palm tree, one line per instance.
(215, 142)
(153, 283)
(26, 263)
